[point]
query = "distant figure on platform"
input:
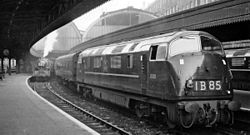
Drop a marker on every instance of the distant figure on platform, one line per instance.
(8, 70)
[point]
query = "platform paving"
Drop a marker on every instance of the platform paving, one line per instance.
(23, 113)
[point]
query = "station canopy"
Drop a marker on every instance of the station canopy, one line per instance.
(58, 42)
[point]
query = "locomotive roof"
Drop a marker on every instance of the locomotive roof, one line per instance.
(135, 45)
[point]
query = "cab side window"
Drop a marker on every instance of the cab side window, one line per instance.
(153, 52)
(158, 52)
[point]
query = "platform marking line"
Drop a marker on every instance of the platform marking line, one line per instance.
(77, 122)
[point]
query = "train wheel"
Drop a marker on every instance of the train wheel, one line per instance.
(226, 117)
(187, 119)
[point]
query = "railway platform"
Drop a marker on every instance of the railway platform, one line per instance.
(23, 112)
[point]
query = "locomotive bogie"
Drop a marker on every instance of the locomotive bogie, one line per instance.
(208, 112)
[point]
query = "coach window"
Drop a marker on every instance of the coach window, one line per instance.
(115, 61)
(97, 62)
(130, 61)
(79, 61)
(86, 63)
(82, 61)
(238, 62)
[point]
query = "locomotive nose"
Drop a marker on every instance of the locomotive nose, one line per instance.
(202, 72)
(212, 74)
(212, 67)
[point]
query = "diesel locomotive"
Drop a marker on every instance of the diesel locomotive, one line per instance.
(181, 77)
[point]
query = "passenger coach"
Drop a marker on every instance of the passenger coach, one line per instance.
(65, 67)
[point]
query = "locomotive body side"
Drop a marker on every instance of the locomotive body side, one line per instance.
(115, 78)
(123, 67)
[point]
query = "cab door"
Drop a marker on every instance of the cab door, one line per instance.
(144, 73)
(158, 70)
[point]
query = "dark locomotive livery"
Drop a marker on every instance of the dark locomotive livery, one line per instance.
(182, 77)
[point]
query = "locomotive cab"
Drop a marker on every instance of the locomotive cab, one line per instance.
(200, 67)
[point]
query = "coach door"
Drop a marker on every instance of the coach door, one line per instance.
(80, 69)
(144, 71)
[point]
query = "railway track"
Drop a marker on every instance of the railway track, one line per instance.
(105, 125)
(230, 131)
(96, 123)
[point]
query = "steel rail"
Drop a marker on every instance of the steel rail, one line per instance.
(86, 113)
